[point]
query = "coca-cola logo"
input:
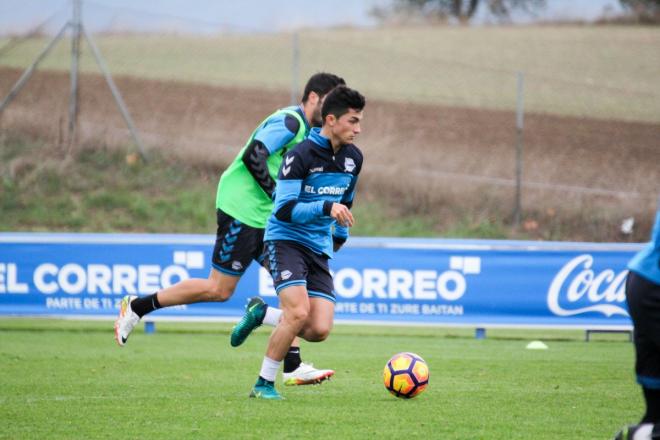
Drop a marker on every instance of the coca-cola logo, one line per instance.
(578, 289)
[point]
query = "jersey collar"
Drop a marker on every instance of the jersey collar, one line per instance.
(320, 140)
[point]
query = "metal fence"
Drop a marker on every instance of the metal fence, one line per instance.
(527, 118)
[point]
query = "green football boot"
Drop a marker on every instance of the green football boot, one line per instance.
(253, 317)
(264, 389)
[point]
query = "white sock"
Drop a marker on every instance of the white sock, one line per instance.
(269, 369)
(643, 432)
(273, 316)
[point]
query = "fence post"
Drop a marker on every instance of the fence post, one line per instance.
(519, 147)
(75, 58)
(295, 68)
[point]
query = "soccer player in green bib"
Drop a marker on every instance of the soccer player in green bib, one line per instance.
(244, 202)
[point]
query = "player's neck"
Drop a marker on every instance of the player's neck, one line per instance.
(335, 143)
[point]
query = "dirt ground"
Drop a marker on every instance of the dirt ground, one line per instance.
(448, 162)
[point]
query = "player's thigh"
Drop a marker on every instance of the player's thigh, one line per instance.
(286, 262)
(295, 303)
(321, 315)
(319, 280)
(643, 299)
(320, 288)
(236, 245)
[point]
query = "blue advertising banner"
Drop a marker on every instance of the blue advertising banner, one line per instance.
(377, 280)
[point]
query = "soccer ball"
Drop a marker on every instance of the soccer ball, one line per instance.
(406, 375)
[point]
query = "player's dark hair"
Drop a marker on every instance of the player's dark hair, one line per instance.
(340, 100)
(321, 84)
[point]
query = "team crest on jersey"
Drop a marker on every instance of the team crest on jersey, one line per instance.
(349, 164)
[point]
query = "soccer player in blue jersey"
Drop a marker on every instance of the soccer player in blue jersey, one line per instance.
(310, 221)
(243, 205)
(643, 296)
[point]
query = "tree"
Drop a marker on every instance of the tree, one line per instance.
(646, 11)
(462, 10)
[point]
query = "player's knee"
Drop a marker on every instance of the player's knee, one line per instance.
(318, 333)
(296, 316)
(220, 293)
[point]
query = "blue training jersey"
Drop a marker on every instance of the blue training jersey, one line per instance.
(311, 178)
(647, 262)
(280, 128)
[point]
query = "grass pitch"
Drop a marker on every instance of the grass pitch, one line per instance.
(69, 380)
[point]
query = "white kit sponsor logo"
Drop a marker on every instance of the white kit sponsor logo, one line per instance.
(327, 190)
(349, 164)
(578, 289)
(106, 279)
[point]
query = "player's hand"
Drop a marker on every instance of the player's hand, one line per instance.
(342, 214)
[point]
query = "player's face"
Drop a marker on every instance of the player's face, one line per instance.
(346, 128)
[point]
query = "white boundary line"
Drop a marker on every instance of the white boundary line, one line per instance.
(228, 319)
(356, 242)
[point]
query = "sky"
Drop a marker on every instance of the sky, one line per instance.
(212, 16)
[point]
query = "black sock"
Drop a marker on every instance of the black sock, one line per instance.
(652, 398)
(146, 304)
(292, 359)
(266, 381)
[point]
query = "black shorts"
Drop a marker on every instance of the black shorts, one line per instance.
(236, 245)
(644, 305)
(292, 264)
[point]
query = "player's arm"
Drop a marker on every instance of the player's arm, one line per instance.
(655, 232)
(288, 207)
(271, 138)
(340, 233)
(255, 159)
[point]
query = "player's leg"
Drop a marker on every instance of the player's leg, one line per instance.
(316, 329)
(320, 289)
(295, 309)
(320, 321)
(287, 265)
(217, 287)
(235, 246)
(272, 315)
(295, 371)
(257, 312)
(643, 298)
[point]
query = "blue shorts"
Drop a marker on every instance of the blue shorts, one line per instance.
(236, 245)
(643, 298)
(292, 264)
